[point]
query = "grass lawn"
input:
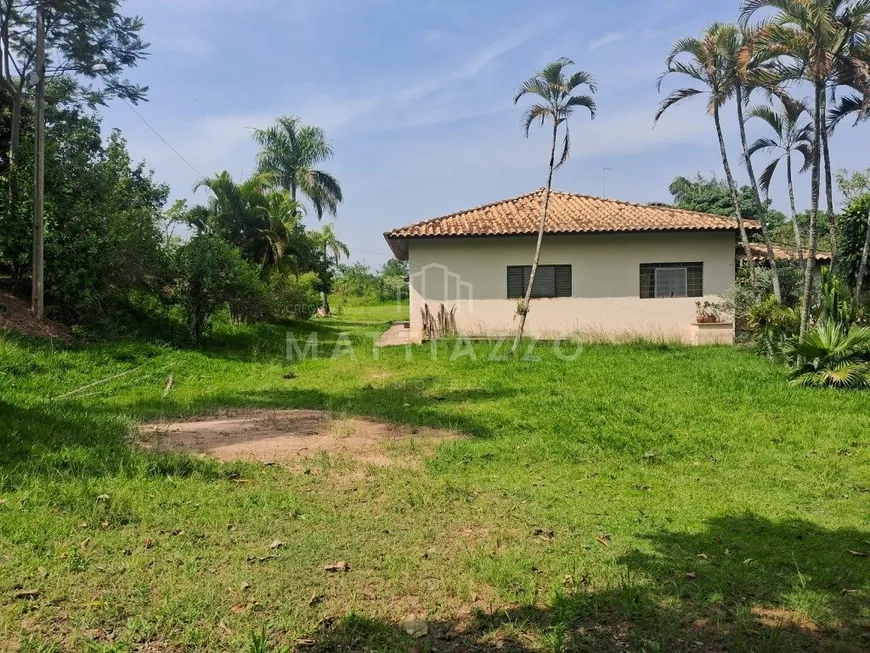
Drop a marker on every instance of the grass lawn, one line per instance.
(643, 498)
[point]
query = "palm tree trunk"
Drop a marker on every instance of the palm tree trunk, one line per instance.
(759, 207)
(862, 267)
(735, 199)
(815, 189)
(829, 185)
(524, 309)
(799, 248)
(324, 296)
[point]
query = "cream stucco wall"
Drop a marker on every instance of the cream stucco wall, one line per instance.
(471, 273)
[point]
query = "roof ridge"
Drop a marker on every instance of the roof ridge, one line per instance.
(644, 206)
(469, 210)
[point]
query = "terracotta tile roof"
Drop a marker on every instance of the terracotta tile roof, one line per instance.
(780, 253)
(568, 214)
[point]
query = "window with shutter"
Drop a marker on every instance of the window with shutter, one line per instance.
(550, 281)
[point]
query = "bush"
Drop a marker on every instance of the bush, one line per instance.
(211, 274)
(294, 299)
(832, 355)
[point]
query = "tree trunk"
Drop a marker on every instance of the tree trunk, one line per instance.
(38, 298)
(815, 189)
(759, 207)
(862, 267)
(14, 146)
(798, 246)
(324, 296)
(735, 199)
(829, 186)
(524, 309)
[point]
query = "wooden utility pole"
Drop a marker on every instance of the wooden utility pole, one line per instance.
(38, 299)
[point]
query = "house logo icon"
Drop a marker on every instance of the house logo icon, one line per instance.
(436, 284)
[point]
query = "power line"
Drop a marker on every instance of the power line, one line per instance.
(167, 143)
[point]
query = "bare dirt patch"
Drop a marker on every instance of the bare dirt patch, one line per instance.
(15, 315)
(290, 436)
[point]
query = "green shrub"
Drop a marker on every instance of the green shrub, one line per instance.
(211, 274)
(294, 298)
(832, 355)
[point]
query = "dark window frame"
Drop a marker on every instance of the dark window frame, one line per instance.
(694, 280)
(551, 281)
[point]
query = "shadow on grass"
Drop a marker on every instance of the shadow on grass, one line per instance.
(55, 441)
(743, 583)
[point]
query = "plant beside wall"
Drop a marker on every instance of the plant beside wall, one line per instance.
(708, 313)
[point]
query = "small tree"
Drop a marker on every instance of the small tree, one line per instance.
(555, 89)
(210, 274)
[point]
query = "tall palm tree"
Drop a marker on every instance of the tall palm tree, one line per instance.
(553, 90)
(751, 76)
(792, 134)
(290, 152)
(333, 250)
(813, 41)
(708, 63)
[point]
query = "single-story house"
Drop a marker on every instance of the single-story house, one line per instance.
(608, 269)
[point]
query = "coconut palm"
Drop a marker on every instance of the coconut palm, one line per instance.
(333, 250)
(708, 62)
(792, 134)
(553, 90)
(290, 152)
(817, 42)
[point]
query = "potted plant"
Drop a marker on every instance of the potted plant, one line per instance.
(707, 313)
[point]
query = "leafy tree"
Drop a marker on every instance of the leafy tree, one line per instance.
(290, 153)
(103, 242)
(553, 91)
(211, 274)
(88, 39)
(709, 64)
(792, 135)
(710, 195)
(855, 244)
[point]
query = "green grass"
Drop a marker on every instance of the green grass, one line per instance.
(646, 498)
(349, 311)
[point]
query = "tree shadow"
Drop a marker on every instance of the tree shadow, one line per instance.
(742, 583)
(53, 441)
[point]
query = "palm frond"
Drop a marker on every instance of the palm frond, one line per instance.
(586, 101)
(533, 113)
(566, 148)
(768, 115)
(675, 98)
(766, 177)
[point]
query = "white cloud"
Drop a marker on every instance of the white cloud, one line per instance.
(608, 39)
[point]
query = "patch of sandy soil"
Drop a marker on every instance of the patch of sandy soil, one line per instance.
(290, 436)
(15, 315)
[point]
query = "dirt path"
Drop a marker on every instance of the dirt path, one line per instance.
(291, 436)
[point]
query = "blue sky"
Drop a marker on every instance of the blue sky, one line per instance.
(416, 97)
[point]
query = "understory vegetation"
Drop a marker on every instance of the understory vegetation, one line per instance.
(593, 505)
